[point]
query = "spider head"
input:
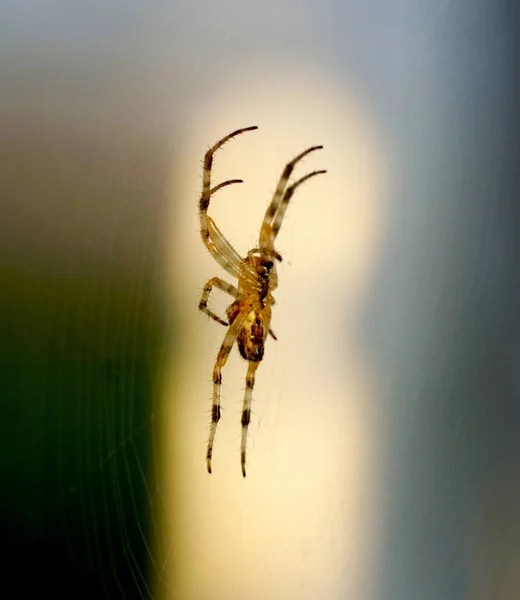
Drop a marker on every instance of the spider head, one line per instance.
(263, 262)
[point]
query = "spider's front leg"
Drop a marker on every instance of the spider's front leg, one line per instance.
(276, 209)
(215, 242)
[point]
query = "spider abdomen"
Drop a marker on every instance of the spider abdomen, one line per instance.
(252, 335)
(251, 338)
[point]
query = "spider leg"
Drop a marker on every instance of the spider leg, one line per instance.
(213, 240)
(266, 230)
(246, 411)
(222, 357)
(228, 255)
(221, 250)
(277, 221)
(221, 285)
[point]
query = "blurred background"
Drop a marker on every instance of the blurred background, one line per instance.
(384, 448)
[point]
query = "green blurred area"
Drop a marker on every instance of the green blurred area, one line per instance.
(85, 331)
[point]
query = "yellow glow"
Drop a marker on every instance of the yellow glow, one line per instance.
(299, 525)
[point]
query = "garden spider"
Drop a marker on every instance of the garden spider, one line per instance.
(249, 315)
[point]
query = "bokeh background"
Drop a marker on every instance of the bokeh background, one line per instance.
(384, 450)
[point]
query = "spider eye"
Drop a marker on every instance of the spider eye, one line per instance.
(263, 268)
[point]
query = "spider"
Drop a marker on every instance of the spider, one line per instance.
(249, 316)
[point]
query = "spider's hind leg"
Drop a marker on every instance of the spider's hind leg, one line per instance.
(246, 411)
(223, 355)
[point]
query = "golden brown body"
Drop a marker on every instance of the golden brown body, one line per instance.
(251, 337)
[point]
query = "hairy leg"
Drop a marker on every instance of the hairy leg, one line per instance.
(246, 411)
(222, 357)
(213, 239)
(221, 285)
(266, 230)
(277, 221)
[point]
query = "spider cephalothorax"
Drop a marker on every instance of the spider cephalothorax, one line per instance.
(249, 316)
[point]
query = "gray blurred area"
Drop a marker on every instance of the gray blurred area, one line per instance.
(93, 97)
